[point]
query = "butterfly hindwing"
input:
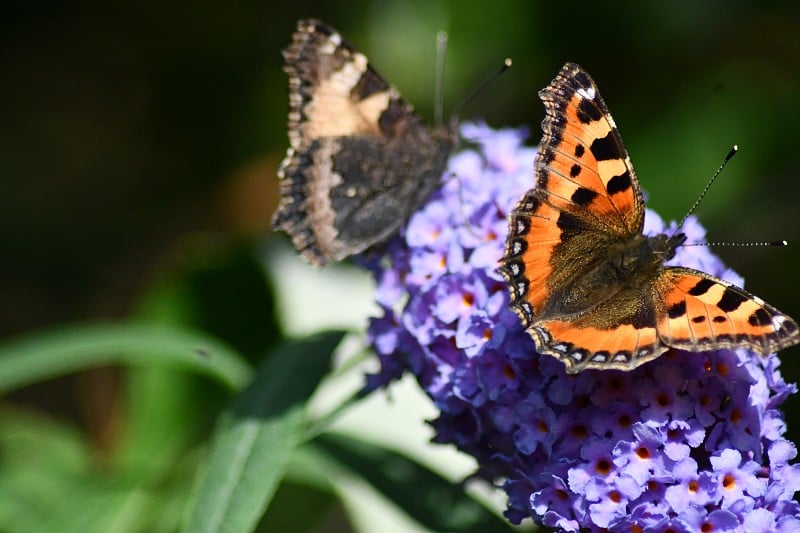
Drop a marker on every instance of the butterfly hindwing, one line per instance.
(619, 333)
(700, 312)
(359, 160)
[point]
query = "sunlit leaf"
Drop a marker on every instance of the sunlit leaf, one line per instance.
(255, 441)
(40, 356)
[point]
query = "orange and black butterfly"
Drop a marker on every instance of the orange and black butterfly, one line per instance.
(590, 288)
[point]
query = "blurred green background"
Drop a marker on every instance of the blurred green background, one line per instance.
(131, 132)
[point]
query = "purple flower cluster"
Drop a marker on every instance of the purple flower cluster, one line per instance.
(689, 442)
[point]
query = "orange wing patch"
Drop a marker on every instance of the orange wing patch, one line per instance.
(533, 236)
(701, 312)
(623, 347)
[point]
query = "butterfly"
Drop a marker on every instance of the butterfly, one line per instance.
(360, 162)
(589, 287)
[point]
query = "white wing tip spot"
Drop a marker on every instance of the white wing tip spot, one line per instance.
(587, 93)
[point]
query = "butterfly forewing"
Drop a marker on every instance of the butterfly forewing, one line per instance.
(586, 196)
(582, 166)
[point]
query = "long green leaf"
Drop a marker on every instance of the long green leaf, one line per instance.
(40, 356)
(254, 443)
(431, 500)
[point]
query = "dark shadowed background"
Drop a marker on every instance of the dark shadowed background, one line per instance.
(129, 131)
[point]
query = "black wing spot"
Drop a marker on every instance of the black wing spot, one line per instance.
(699, 319)
(619, 184)
(575, 170)
(579, 150)
(588, 112)
(605, 148)
(641, 319)
(731, 300)
(569, 225)
(701, 287)
(369, 84)
(583, 79)
(760, 318)
(719, 319)
(583, 196)
(677, 310)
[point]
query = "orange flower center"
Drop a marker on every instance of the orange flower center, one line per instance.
(603, 467)
(729, 482)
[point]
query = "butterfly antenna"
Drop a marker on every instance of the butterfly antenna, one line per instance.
(441, 51)
(740, 244)
(502, 70)
(728, 157)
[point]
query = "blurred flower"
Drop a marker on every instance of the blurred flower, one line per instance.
(691, 441)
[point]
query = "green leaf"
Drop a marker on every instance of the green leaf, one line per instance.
(431, 500)
(41, 356)
(255, 441)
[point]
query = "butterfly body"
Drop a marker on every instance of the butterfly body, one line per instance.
(590, 288)
(360, 162)
(618, 271)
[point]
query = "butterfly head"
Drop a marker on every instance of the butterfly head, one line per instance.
(643, 254)
(663, 246)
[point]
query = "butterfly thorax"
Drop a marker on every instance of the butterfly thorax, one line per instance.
(644, 254)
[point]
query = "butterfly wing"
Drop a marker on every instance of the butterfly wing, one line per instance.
(359, 161)
(699, 312)
(618, 333)
(333, 90)
(582, 166)
(680, 308)
(586, 198)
